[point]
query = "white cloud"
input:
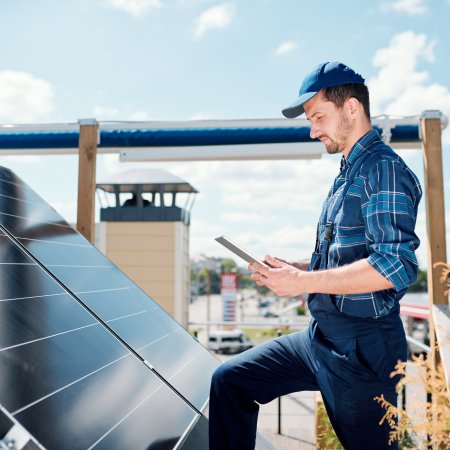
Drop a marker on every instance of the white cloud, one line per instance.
(286, 47)
(261, 187)
(140, 116)
(201, 241)
(135, 7)
(290, 242)
(199, 174)
(108, 113)
(412, 7)
(397, 66)
(420, 98)
(266, 206)
(298, 186)
(400, 88)
(421, 231)
(25, 159)
(67, 209)
(193, 2)
(108, 164)
(105, 113)
(244, 217)
(217, 17)
(203, 116)
(24, 97)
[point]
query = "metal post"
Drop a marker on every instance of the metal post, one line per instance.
(429, 438)
(279, 398)
(404, 397)
(208, 303)
(279, 415)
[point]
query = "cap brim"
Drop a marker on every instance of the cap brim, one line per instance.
(296, 109)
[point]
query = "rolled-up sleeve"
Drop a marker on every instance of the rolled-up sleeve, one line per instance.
(390, 213)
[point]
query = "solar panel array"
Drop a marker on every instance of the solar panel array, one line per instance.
(87, 359)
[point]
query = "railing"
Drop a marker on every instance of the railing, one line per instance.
(282, 323)
(415, 311)
(441, 317)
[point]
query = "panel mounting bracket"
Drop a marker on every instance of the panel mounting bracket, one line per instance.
(17, 437)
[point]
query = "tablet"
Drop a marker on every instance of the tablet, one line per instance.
(238, 251)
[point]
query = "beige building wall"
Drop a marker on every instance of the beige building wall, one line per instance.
(155, 255)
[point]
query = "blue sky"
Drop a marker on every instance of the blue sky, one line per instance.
(62, 60)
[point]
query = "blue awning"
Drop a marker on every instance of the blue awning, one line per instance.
(182, 137)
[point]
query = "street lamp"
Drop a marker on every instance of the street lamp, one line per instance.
(210, 265)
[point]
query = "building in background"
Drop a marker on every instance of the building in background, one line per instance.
(146, 233)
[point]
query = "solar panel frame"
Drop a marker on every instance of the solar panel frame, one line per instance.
(63, 243)
(22, 250)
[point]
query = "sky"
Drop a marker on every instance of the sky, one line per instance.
(64, 60)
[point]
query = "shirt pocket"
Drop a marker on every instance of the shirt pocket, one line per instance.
(348, 244)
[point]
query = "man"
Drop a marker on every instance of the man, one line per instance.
(362, 265)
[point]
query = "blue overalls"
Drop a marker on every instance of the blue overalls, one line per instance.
(349, 359)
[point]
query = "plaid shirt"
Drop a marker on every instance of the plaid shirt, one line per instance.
(376, 221)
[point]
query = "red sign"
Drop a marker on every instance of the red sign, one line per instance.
(229, 285)
(229, 281)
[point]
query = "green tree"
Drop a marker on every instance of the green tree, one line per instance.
(421, 283)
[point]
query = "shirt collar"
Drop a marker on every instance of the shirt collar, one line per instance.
(359, 147)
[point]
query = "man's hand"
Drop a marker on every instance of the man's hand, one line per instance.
(301, 265)
(281, 277)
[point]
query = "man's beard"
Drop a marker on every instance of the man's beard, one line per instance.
(342, 131)
(333, 147)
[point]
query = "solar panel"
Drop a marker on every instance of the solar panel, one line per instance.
(104, 289)
(63, 370)
(87, 359)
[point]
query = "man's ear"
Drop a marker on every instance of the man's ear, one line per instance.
(353, 106)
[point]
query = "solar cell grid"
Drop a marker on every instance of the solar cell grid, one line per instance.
(74, 335)
(121, 405)
(94, 280)
(27, 319)
(18, 200)
(62, 370)
(113, 303)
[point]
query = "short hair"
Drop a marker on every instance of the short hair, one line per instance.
(339, 94)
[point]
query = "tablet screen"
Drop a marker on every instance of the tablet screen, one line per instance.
(238, 250)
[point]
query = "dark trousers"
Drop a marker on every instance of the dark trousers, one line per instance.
(349, 372)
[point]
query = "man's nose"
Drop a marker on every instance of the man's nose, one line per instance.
(314, 132)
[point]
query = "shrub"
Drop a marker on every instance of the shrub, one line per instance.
(413, 429)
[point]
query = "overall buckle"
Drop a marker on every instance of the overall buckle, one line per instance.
(328, 231)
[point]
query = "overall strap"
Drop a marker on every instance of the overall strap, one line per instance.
(351, 177)
(329, 227)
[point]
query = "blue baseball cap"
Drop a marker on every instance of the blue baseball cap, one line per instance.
(325, 75)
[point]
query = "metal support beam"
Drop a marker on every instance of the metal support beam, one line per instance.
(435, 214)
(86, 178)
